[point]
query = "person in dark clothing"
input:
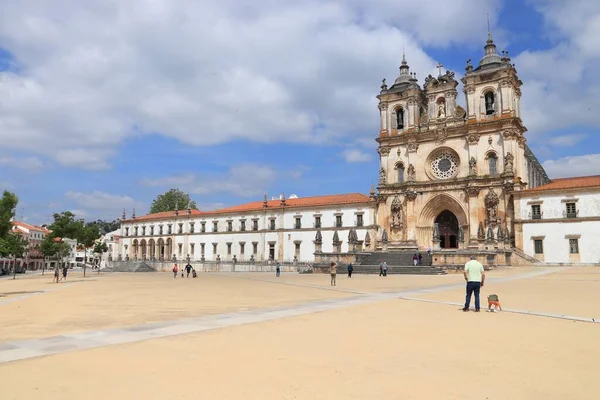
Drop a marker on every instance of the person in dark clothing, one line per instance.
(420, 259)
(194, 274)
(381, 268)
(278, 269)
(188, 269)
(350, 269)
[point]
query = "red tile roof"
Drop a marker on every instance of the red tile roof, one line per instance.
(315, 201)
(27, 226)
(569, 183)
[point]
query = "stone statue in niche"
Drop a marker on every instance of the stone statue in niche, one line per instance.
(396, 210)
(490, 233)
(491, 204)
(472, 166)
(508, 163)
(381, 176)
(411, 173)
(442, 110)
(436, 231)
(480, 231)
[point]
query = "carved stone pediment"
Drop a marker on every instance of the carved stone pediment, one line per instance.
(412, 147)
(472, 138)
(510, 133)
(383, 151)
(410, 195)
(441, 134)
(472, 191)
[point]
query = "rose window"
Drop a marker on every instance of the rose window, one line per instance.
(444, 165)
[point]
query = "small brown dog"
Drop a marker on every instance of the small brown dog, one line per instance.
(494, 301)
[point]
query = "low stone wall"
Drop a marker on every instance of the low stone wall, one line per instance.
(213, 266)
(457, 258)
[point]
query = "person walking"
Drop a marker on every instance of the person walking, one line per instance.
(175, 269)
(188, 269)
(333, 272)
(474, 274)
(56, 275)
(420, 259)
(64, 272)
(384, 268)
(350, 269)
(278, 269)
(381, 268)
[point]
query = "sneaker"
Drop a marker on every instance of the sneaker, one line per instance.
(477, 310)
(465, 309)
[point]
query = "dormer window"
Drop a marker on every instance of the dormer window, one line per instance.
(400, 168)
(400, 118)
(489, 103)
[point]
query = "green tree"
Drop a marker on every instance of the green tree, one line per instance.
(8, 205)
(66, 226)
(87, 236)
(15, 245)
(172, 200)
(53, 247)
(100, 248)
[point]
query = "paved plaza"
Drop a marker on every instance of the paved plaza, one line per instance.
(255, 336)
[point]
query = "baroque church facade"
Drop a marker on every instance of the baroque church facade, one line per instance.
(447, 173)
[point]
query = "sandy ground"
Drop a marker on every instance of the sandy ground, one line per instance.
(394, 349)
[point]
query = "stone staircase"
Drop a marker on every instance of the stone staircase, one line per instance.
(129, 266)
(394, 270)
(392, 258)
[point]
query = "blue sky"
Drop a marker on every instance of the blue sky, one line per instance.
(105, 105)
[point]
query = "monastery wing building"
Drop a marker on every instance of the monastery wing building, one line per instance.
(449, 179)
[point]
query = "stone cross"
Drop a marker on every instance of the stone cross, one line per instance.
(439, 67)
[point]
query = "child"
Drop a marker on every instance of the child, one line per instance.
(494, 301)
(194, 274)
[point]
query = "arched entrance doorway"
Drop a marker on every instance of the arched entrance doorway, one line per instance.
(448, 226)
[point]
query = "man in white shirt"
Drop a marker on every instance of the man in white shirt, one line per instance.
(474, 274)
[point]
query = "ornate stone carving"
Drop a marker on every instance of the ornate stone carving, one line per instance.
(460, 112)
(396, 210)
(318, 237)
(381, 176)
(500, 234)
(508, 163)
(436, 232)
(336, 238)
(410, 195)
(490, 233)
(441, 134)
(491, 205)
(472, 166)
(381, 198)
(472, 191)
(411, 173)
(508, 187)
(367, 239)
(441, 110)
(510, 133)
(383, 151)
(472, 138)
(384, 85)
(412, 147)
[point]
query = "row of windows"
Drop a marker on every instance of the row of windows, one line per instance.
(538, 246)
(570, 211)
(242, 227)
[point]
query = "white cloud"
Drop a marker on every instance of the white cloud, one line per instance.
(585, 165)
(26, 163)
(94, 73)
(561, 83)
(97, 204)
(244, 180)
(567, 140)
(354, 156)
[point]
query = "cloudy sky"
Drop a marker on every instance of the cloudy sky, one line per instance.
(106, 103)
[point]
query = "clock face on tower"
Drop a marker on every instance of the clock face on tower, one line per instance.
(443, 164)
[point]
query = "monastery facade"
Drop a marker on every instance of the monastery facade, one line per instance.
(450, 178)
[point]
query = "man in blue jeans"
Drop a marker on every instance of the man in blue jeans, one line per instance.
(475, 277)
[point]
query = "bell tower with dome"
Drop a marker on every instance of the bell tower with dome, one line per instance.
(447, 173)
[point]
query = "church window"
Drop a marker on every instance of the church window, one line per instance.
(400, 168)
(571, 210)
(538, 246)
(489, 103)
(400, 118)
(573, 246)
(536, 211)
(444, 164)
(493, 163)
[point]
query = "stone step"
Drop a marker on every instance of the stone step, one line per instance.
(395, 270)
(392, 258)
